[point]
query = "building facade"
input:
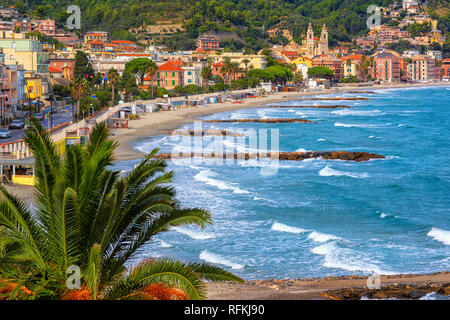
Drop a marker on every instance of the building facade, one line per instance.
(421, 68)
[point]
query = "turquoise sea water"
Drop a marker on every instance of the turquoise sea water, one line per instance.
(322, 217)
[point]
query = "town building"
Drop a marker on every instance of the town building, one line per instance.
(47, 27)
(316, 46)
(101, 36)
(446, 69)
(27, 52)
(421, 68)
(246, 61)
(330, 62)
(168, 76)
(352, 66)
(192, 75)
(207, 43)
(388, 67)
(66, 65)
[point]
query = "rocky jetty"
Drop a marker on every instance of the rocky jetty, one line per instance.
(293, 156)
(204, 133)
(263, 120)
(336, 98)
(363, 91)
(335, 106)
(399, 291)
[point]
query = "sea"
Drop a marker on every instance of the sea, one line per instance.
(316, 218)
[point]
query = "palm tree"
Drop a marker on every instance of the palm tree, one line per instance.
(151, 70)
(88, 216)
(78, 89)
(113, 78)
(246, 62)
(226, 69)
(235, 69)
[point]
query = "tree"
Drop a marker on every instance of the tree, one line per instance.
(320, 72)
(113, 78)
(151, 70)
(246, 62)
(83, 69)
(89, 216)
(206, 75)
(139, 67)
(297, 78)
(78, 89)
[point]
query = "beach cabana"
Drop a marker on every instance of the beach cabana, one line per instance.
(20, 171)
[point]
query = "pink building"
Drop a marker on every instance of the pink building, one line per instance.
(47, 27)
(207, 43)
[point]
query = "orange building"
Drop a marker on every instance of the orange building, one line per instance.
(389, 67)
(330, 62)
(446, 68)
(168, 76)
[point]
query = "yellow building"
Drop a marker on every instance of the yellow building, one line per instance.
(302, 61)
(17, 49)
(33, 88)
(255, 60)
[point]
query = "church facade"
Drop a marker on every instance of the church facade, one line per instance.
(316, 46)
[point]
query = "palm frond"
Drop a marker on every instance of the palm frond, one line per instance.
(213, 273)
(171, 273)
(93, 271)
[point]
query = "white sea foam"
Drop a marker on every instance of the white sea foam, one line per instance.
(346, 259)
(351, 112)
(197, 235)
(218, 259)
(285, 228)
(206, 177)
(328, 172)
(383, 215)
(354, 125)
(301, 150)
(440, 235)
(321, 237)
(321, 139)
(371, 137)
(165, 244)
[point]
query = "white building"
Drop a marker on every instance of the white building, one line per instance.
(192, 75)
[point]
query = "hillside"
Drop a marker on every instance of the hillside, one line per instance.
(247, 20)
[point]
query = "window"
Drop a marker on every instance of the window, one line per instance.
(173, 82)
(190, 81)
(173, 74)
(189, 73)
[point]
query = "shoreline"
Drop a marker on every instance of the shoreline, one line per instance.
(159, 123)
(400, 286)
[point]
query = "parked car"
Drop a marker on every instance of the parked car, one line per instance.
(17, 124)
(5, 133)
(39, 115)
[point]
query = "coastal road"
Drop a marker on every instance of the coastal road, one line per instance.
(58, 118)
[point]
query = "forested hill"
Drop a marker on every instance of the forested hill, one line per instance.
(246, 19)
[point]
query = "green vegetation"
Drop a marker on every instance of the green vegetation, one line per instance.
(246, 21)
(89, 216)
(320, 72)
